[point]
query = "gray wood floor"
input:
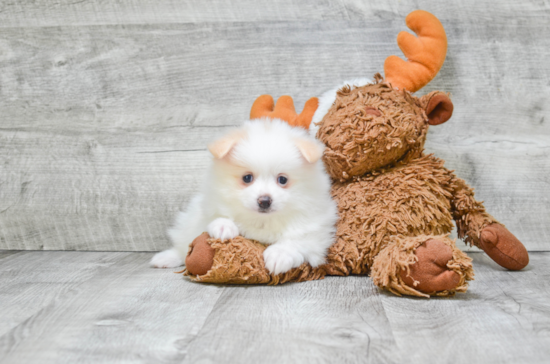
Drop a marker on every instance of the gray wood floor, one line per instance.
(107, 105)
(102, 307)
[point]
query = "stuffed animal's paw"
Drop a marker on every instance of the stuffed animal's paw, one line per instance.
(280, 258)
(430, 273)
(503, 247)
(223, 229)
(200, 257)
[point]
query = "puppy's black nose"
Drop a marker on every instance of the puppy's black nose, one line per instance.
(264, 202)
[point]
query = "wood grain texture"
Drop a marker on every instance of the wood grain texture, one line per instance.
(80, 307)
(31, 282)
(100, 12)
(503, 318)
(107, 106)
(39, 13)
(97, 307)
(336, 320)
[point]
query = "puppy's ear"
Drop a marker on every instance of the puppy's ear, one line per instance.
(311, 150)
(221, 147)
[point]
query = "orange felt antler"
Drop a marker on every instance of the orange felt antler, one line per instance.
(425, 54)
(284, 110)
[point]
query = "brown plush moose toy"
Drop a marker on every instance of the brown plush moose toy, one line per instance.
(396, 204)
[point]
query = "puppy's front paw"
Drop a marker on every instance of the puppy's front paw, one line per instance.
(223, 229)
(166, 259)
(280, 259)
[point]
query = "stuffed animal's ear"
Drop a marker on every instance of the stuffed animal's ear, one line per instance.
(311, 150)
(438, 107)
(221, 147)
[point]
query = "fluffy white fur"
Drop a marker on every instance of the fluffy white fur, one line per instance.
(300, 223)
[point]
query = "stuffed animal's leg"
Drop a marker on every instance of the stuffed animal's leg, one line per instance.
(478, 228)
(422, 266)
(238, 261)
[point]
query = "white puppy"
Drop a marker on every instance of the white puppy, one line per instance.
(266, 183)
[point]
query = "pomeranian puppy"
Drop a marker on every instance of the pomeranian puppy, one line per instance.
(267, 183)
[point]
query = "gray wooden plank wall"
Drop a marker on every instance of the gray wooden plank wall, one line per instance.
(106, 107)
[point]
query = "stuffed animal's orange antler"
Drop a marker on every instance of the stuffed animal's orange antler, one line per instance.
(425, 54)
(284, 110)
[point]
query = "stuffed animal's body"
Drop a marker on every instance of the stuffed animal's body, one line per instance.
(396, 204)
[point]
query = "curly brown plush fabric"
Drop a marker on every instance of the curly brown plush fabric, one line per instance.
(240, 261)
(399, 256)
(396, 204)
(359, 140)
(409, 199)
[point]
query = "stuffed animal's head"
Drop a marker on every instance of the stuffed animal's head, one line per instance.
(383, 123)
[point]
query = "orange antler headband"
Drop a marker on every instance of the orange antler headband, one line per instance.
(284, 110)
(425, 54)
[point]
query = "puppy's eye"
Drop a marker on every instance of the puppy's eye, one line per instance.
(282, 180)
(248, 178)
